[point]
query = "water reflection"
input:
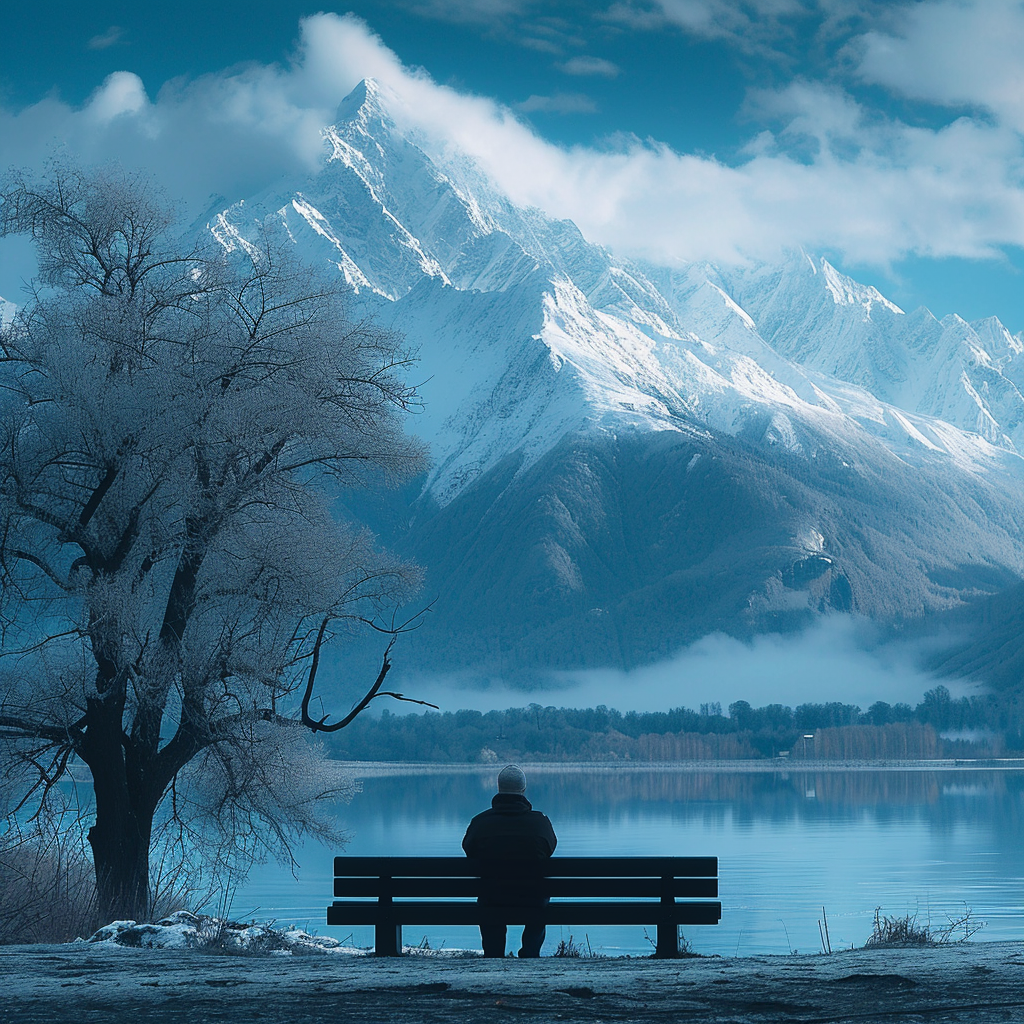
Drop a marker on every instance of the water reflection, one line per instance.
(789, 844)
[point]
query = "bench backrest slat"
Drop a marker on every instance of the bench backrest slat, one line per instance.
(434, 888)
(577, 867)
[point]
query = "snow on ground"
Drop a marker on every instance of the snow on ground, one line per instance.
(185, 930)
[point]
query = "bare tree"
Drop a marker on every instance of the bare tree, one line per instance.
(172, 424)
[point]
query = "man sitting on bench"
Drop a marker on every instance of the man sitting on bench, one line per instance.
(510, 830)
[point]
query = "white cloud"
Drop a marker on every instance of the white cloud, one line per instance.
(121, 93)
(790, 33)
(540, 45)
(747, 24)
(875, 190)
(559, 103)
(586, 65)
(485, 11)
(105, 40)
(727, 17)
(643, 17)
(229, 133)
(829, 173)
(953, 53)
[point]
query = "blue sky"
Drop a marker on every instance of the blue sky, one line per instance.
(888, 136)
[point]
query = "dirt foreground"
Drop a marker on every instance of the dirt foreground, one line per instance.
(974, 982)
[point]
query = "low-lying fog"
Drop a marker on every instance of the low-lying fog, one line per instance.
(840, 658)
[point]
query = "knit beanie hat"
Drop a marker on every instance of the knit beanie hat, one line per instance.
(511, 779)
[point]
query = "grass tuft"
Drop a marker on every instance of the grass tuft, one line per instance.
(905, 931)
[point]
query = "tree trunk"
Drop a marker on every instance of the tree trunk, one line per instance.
(124, 821)
(120, 853)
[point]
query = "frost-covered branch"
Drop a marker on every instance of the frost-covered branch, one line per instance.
(175, 424)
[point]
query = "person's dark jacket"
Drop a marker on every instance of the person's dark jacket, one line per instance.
(510, 830)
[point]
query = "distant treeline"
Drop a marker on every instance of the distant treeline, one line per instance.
(830, 730)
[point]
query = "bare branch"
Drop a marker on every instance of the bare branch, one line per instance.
(411, 623)
(37, 561)
(28, 728)
(409, 700)
(394, 631)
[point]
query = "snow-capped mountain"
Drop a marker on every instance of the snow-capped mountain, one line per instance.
(628, 456)
(966, 374)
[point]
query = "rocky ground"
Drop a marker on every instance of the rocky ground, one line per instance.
(975, 982)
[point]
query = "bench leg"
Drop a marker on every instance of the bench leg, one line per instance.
(387, 939)
(668, 941)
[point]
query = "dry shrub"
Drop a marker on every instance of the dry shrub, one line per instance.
(569, 949)
(48, 893)
(898, 931)
(49, 890)
(905, 931)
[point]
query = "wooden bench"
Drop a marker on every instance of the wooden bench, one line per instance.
(389, 892)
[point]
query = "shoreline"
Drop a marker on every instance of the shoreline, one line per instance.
(973, 981)
(776, 766)
(773, 766)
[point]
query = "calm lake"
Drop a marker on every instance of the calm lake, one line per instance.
(930, 843)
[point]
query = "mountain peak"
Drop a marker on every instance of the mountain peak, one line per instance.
(365, 103)
(845, 291)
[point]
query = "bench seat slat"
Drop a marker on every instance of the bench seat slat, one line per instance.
(428, 887)
(568, 913)
(578, 867)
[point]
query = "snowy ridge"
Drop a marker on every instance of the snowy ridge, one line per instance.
(968, 375)
(603, 344)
